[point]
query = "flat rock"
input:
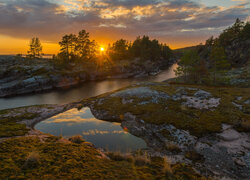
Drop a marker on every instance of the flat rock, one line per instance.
(229, 135)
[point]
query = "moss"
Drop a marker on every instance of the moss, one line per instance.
(54, 160)
(9, 126)
(10, 121)
(197, 122)
(12, 129)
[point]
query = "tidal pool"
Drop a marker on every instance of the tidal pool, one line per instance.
(102, 134)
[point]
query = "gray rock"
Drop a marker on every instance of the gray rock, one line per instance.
(229, 135)
(202, 94)
(247, 102)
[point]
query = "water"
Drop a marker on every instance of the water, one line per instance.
(102, 134)
(87, 89)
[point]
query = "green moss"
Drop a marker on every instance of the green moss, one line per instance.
(56, 160)
(198, 122)
(12, 129)
(10, 118)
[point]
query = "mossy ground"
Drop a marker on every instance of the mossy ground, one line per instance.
(197, 122)
(52, 159)
(10, 120)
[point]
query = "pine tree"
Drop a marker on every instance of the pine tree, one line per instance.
(35, 49)
(218, 61)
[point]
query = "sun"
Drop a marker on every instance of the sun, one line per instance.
(102, 49)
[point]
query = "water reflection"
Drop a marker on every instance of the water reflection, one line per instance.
(101, 133)
(88, 89)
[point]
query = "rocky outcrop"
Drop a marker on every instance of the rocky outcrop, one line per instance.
(220, 149)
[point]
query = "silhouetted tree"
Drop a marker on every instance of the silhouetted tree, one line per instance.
(85, 48)
(77, 47)
(119, 50)
(35, 48)
(149, 49)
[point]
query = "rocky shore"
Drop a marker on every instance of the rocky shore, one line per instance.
(21, 76)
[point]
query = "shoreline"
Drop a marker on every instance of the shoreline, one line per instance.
(25, 85)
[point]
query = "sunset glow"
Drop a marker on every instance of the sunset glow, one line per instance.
(176, 23)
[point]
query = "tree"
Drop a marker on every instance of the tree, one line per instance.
(188, 65)
(210, 41)
(68, 45)
(85, 48)
(119, 50)
(166, 52)
(35, 49)
(149, 49)
(245, 34)
(231, 33)
(79, 47)
(218, 60)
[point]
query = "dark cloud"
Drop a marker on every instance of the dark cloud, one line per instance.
(131, 3)
(129, 18)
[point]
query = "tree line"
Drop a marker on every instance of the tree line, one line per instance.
(207, 63)
(80, 49)
(142, 48)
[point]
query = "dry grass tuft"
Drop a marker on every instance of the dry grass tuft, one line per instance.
(173, 148)
(166, 166)
(142, 160)
(32, 160)
(76, 139)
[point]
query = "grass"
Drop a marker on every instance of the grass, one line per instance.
(29, 158)
(197, 122)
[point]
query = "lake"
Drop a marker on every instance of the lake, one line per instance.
(86, 90)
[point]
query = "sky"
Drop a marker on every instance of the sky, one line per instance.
(178, 23)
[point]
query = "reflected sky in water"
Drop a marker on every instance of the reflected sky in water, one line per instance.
(86, 90)
(102, 134)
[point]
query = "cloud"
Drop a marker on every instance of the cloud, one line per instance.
(101, 132)
(113, 19)
(74, 116)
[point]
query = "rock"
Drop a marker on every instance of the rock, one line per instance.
(238, 98)
(247, 102)
(202, 94)
(29, 80)
(229, 135)
(201, 103)
(237, 105)
(141, 92)
(240, 162)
